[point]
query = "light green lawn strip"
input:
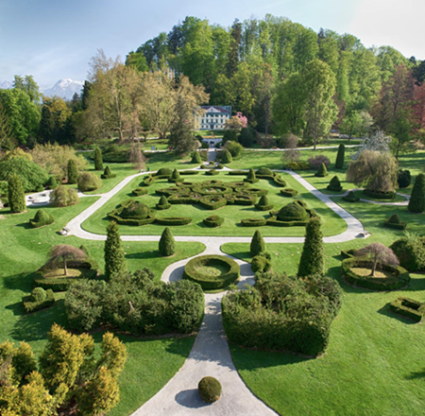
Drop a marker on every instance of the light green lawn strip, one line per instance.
(232, 214)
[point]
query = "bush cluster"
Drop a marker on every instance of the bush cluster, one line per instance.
(300, 165)
(395, 222)
(135, 303)
(410, 251)
(173, 220)
(39, 299)
(251, 178)
(316, 162)
(283, 313)
(41, 218)
(88, 182)
(410, 308)
(63, 197)
(213, 221)
(163, 173)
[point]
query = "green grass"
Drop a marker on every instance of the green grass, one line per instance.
(23, 250)
(232, 214)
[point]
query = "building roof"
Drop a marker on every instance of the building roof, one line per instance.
(226, 109)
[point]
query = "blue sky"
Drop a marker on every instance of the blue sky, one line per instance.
(54, 39)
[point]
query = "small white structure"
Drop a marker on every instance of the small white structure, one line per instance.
(215, 117)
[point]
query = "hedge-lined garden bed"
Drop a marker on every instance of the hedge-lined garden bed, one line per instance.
(410, 308)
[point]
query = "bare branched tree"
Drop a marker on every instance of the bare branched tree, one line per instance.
(64, 252)
(378, 254)
(291, 152)
(137, 158)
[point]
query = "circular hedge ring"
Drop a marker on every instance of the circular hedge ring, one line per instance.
(209, 389)
(212, 271)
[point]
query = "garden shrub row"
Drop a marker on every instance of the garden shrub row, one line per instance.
(163, 173)
(395, 223)
(410, 308)
(213, 221)
(379, 195)
(261, 263)
(237, 172)
(148, 181)
(163, 203)
(300, 165)
(253, 222)
(189, 172)
(140, 191)
(173, 220)
(39, 299)
(213, 201)
(401, 275)
(289, 192)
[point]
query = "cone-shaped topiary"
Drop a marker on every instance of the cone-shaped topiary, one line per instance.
(227, 157)
(175, 176)
(167, 245)
(251, 178)
(98, 160)
(263, 204)
(394, 219)
(196, 157)
(322, 171)
(334, 185)
(16, 194)
(417, 198)
(312, 259)
(41, 218)
(72, 171)
(107, 173)
(114, 253)
(163, 203)
(51, 183)
(209, 389)
(351, 197)
(257, 244)
(339, 163)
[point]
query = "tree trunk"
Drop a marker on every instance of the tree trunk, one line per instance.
(373, 269)
(64, 267)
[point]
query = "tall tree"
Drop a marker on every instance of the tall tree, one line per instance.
(312, 256)
(114, 253)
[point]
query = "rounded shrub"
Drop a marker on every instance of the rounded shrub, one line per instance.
(351, 197)
(167, 245)
(140, 191)
(209, 389)
(51, 183)
(219, 166)
(38, 294)
(98, 159)
(289, 192)
(257, 244)
(227, 157)
(136, 210)
(234, 148)
(404, 178)
(213, 221)
(410, 251)
(251, 178)
(72, 172)
(322, 171)
(107, 174)
(63, 197)
(16, 194)
(163, 203)
(264, 172)
(293, 212)
(89, 182)
(334, 185)
(164, 172)
(175, 177)
(261, 264)
(417, 199)
(41, 218)
(196, 157)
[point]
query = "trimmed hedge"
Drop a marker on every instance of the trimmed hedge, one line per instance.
(300, 165)
(213, 201)
(261, 264)
(394, 222)
(209, 282)
(322, 171)
(379, 195)
(289, 192)
(88, 182)
(41, 218)
(140, 191)
(212, 172)
(351, 197)
(213, 221)
(148, 181)
(163, 173)
(279, 181)
(263, 204)
(39, 299)
(219, 166)
(251, 178)
(163, 203)
(404, 178)
(410, 308)
(173, 220)
(107, 174)
(209, 389)
(175, 177)
(133, 212)
(253, 222)
(401, 278)
(237, 172)
(334, 185)
(189, 172)
(410, 252)
(265, 172)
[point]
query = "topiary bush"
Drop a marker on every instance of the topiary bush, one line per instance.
(379, 195)
(163, 203)
(164, 173)
(264, 173)
(410, 251)
(39, 299)
(89, 182)
(334, 185)
(133, 212)
(148, 180)
(317, 161)
(173, 220)
(107, 174)
(140, 191)
(293, 212)
(263, 204)
(279, 181)
(212, 172)
(213, 221)
(339, 163)
(410, 308)
(213, 201)
(322, 171)
(257, 244)
(209, 389)
(16, 196)
(51, 183)
(226, 157)
(300, 165)
(417, 199)
(351, 197)
(98, 160)
(196, 157)
(219, 166)
(189, 172)
(41, 218)
(404, 178)
(312, 256)
(167, 245)
(289, 192)
(72, 172)
(261, 264)
(251, 178)
(175, 177)
(253, 222)
(63, 197)
(395, 222)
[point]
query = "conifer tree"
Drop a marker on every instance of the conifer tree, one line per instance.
(175, 176)
(16, 194)
(312, 257)
(51, 183)
(196, 157)
(72, 172)
(98, 160)
(417, 198)
(334, 184)
(114, 253)
(257, 244)
(227, 157)
(339, 163)
(322, 171)
(167, 245)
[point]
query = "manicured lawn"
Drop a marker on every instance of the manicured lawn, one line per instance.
(98, 222)
(151, 363)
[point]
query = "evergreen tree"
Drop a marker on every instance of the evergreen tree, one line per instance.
(196, 157)
(16, 194)
(175, 176)
(114, 253)
(227, 157)
(251, 176)
(51, 183)
(98, 160)
(339, 163)
(417, 198)
(322, 171)
(334, 184)
(257, 244)
(167, 245)
(312, 257)
(72, 172)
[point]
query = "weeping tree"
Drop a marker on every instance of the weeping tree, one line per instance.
(137, 158)
(290, 146)
(377, 253)
(375, 170)
(63, 253)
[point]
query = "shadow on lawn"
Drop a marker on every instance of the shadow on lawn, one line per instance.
(385, 310)
(416, 375)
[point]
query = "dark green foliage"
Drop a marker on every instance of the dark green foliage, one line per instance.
(263, 204)
(173, 220)
(379, 195)
(212, 172)
(39, 299)
(89, 182)
(257, 244)
(139, 191)
(219, 166)
(246, 137)
(107, 174)
(400, 278)
(114, 253)
(404, 178)
(417, 198)
(213, 221)
(189, 172)
(41, 218)
(51, 183)
(279, 181)
(213, 201)
(133, 212)
(334, 185)
(293, 212)
(197, 270)
(63, 197)
(40, 188)
(227, 157)
(16, 194)
(164, 173)
(300, 165)
(196, 157)
(253, 222)
(261, 263)
(283, 313)
(163, 203)
(175, 177)
(209, 389)
(410, 308)
(411, 252)
(339, 163)
(230, 135)
(98, 160)
(237, 172)
(395, 222)
(351, 197)
(322, 171)
(251, 178)
(167, 245)
(264, 172)
(312, 257)
(289, 192)
(148, 180)
(234, 148)
(72, 172)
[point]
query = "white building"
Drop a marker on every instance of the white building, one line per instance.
(215, 117)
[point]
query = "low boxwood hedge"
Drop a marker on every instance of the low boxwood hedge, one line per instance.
(273, 221)
(213, 201)
(173, 220)
(279, 181)
(394, 222)
(289, 192)
(139, 191)
(148, 181)
(261, 264)
(379, 195)
(213, 221)
(189, 172)
(194, 271)
(401, 276)
(348, 254)
(39, 299)
(411, 308)
(57, 285)
(212, 172)
(163, 173)
(116, 215)
(351, 197)
(188, 199)
(253, 222)
(107, 174)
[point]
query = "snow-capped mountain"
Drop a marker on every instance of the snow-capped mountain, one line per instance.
(64, 88)
(4, 85)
